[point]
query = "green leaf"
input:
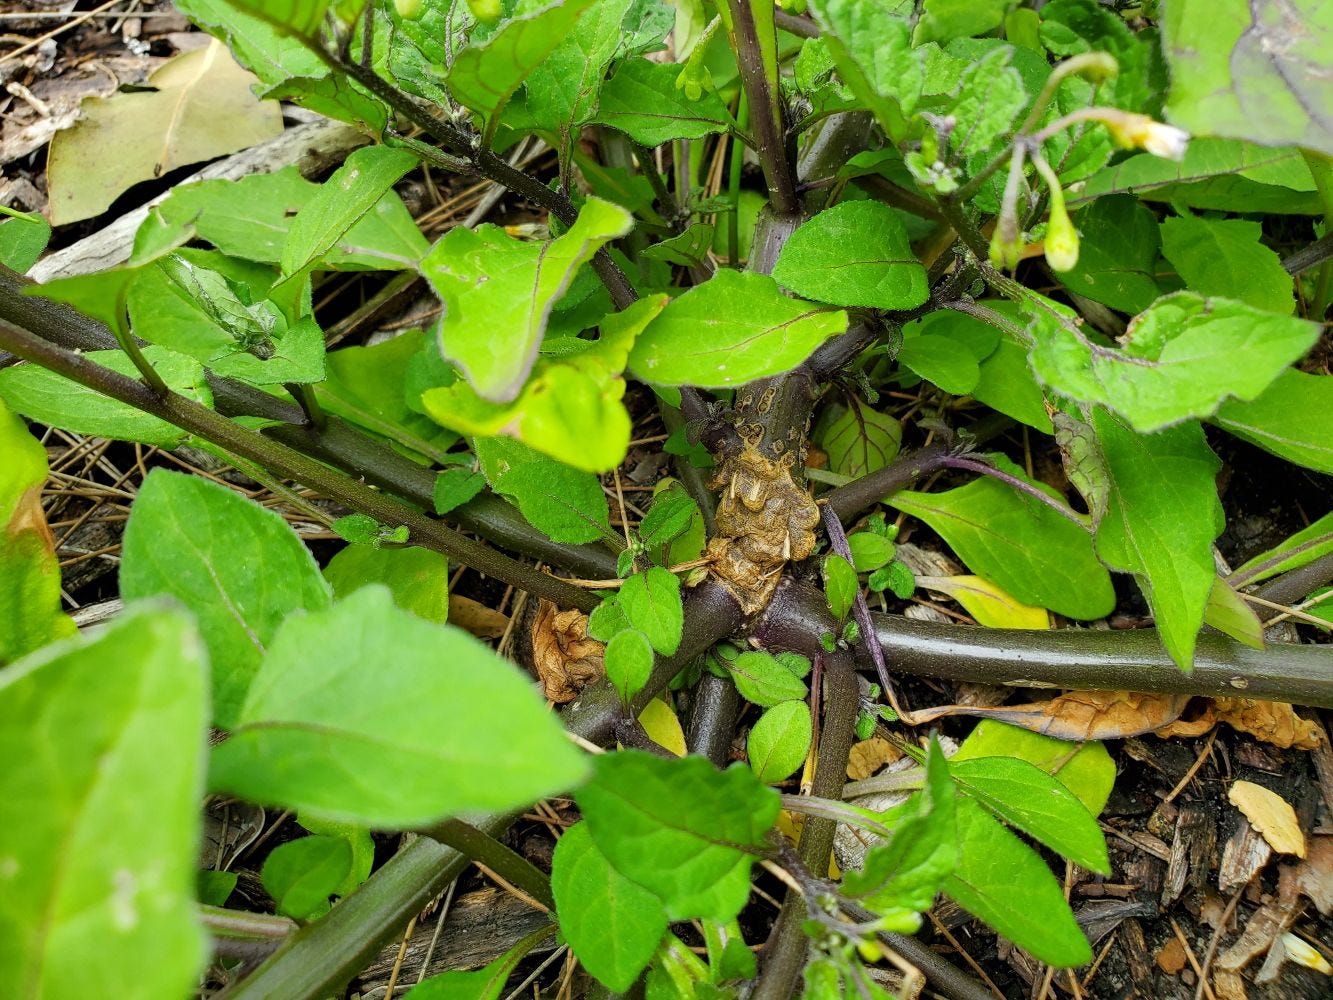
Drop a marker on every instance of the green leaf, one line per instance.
(564, 503)
(840, 585)
(1226, 257)
(1025, 796)
(485, 983)
(301, 17)
(1161, 519)
(762, 680)
(1215, 174)
(1007, 884)
(455, 487)
(651, 603)
(110, 731)
(214, 887)
(689, 249)
(734, 328)
(900, 878)
(612, 925)
(417, 578)
(367, 714)
(23, 237)
(302, 874)
(779, 741)
(1086, 770)
(942, 20)
(1178, 361)
(860, 440)
(1019, 543)
(1258, 72)
(629, 662)
(896, 578)
(29, 570)
(990, 97)
(869, 551)
(873, 52)
(485, 76)
(668, 518)
(354, 190)
(1228, 612)
(236, 565)
(1292, 418)
(563, 90)
(854, 254)
(1117, 259)
(942, 360)
(359, 842)
(44, 396)
(498, 292)
(680, 828)
(1307, 545)
(642, 101)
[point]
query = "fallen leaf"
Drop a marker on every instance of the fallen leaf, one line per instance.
(1079, 715)
(1271, 815)
(477, 618)
(1171, 959)
(203, 108)
(659, 721)
(869, 756)
(567, 660)
(1270, 721)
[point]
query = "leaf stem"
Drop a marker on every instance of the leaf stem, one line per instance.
(508, 864)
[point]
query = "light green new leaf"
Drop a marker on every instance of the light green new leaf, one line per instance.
(942, 20)
(236, 565)
(498, 293)
(873, 52)
(94, 901)
(1117, 257)
(779, 741)
(1089, 772)
(23, 237)
(762, 679)
(689, 249)
(30, 614)
(1161, 519)
(302, 874)
(854, 254)
(651, 603)
(1228, 612)
(366, 713)
(734, 328)
(628, 660)
(840, 585)
(301, 17)
(564, 503)
(1025, 796)
(1019, 543)
(1256, 71)
(900, 878)
(680, 828)
(485, 76)
(612, 925)
(1292, 418)
(1179, 359)
(42, 395)
(861, 440)
(1226, 257)
(342, 201)
(943, 361)
(417, 578)
(1007, 884)
(869, 551)
(562, 91)
(642, 101)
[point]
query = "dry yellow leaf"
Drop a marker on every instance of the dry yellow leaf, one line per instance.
(1271, 721)
(869, 756)
(1271, 815)
(477, 618)
(663, 728)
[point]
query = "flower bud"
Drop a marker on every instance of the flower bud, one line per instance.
(1061, 238)
(408, 9)
(485, 11)
(1140, 132)
(1005, 251)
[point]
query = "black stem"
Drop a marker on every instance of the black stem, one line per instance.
(851, 499)
(766, 110)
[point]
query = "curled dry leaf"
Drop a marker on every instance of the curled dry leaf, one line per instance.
(1080, 715)
(869, 756)
(567, 660)
(1271, 815)
(1270, 721)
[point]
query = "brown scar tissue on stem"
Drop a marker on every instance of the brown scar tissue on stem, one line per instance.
(764, 520)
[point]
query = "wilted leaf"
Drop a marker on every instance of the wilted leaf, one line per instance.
(1271, 815)
(202, 108)
(1080, 715)
(567, 660)
(1271, 721)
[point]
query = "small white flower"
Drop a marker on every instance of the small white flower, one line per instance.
(1165, 141)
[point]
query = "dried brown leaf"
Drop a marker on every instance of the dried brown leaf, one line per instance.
(477, 618)
(565, 658)
(869, 756)
(1080, 715)
(1271, 721)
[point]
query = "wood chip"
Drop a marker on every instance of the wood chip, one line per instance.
(1191, 851)
(1314, 875)
(1245, 853)
(1171, 959)
(1271, 815)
